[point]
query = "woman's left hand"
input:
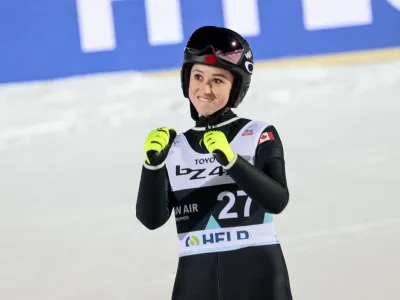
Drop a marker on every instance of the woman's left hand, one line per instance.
(217, 144)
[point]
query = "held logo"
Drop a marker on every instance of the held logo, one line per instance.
(192, 241)
(217, 237)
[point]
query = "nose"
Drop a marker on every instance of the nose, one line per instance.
(206, 88)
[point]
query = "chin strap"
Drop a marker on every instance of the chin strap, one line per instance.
(213, 119)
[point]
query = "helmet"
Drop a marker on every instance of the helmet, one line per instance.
(222, 48)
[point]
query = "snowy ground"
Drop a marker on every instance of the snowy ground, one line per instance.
(70, 160)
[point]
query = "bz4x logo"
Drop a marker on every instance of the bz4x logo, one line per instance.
(199, 173)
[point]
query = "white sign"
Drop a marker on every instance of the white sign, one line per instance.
(164, 22)
(329, 14)
(395, 4)
(242, 16)
(96, 25)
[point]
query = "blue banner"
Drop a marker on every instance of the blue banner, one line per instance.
(47, 39)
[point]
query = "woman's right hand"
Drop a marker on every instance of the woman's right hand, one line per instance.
(157, 145)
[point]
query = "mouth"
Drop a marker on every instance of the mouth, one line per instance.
(202, 99)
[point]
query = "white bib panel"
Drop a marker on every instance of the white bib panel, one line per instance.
(190, 170)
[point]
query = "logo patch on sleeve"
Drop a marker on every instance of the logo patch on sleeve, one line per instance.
(266, 136)
(248, 131)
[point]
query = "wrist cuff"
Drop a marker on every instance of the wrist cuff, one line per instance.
(154, 167)
(228, 166)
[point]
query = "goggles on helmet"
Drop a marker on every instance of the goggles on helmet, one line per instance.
(221, 42)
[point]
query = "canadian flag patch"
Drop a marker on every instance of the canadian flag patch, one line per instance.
(266, 136)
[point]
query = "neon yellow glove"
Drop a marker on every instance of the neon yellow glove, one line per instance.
(217, 144)
(157, 145)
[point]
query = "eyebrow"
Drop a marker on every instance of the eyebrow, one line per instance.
(216, 74)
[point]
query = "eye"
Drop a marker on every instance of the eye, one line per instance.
(197, 76)
(218, 81)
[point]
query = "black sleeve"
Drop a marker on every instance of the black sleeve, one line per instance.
(265, 182)
(155, 200)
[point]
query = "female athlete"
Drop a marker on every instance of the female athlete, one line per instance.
(224, 179)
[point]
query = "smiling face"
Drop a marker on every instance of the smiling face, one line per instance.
(209, 88)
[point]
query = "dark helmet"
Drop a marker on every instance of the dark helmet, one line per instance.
(222, 48)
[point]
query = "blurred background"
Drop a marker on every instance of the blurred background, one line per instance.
(82, 83)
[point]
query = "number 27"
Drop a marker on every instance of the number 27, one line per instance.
(225, 214)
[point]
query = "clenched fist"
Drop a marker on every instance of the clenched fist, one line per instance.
(157, 145)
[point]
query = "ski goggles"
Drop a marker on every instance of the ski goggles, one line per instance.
(225, 45)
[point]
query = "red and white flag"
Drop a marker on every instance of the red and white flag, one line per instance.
(266, 136)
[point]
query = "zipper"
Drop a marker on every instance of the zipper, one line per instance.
(207, 125)
(218, 279)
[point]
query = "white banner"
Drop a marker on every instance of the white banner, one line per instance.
(226, 239)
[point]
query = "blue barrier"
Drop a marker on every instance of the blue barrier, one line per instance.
(46, 39)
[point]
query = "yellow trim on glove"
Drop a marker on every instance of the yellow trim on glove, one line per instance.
(216, 140)
(157, 140)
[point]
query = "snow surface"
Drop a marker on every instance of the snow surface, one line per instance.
(70, 159)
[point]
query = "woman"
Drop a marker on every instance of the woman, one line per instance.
(224, 179)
